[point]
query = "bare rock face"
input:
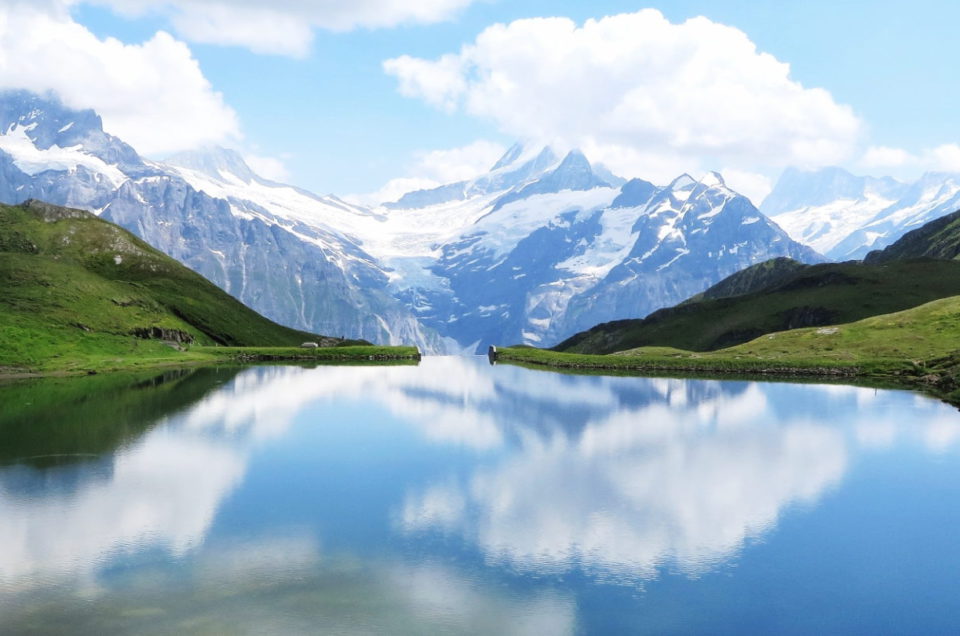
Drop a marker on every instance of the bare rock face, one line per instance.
(538, 248)
(310, 278)
(52, 213)
(161, 333)
(799, 317)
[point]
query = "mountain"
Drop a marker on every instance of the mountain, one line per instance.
(845, 216)
(536, 248)
(75, 285)
(568, 248)
(782, 295)
(538, 268)
(752, 279)
(541, 246)
(276, 248)
(517, 166)
(938, 239)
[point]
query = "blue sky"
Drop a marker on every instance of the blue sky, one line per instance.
(339, 123)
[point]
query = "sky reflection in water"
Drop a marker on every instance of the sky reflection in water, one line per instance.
(451, 497)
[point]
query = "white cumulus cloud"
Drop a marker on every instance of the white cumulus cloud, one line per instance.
(640, 91)
(945, 158)
(942, 158)
(283, 27)
(152, 95)
(886, 157)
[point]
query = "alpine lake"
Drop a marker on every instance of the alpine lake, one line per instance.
(460, 497)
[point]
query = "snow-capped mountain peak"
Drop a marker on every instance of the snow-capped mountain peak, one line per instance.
(537, 248)
(38, 130)
(574, 172)
(47, 126)
(32, 157)
(797, 189)
(215, 162)
(713, 179)
(634, 193)
(682, 183)
(524, 156)
(845, 216)
(509, 157)
(285, 252)
(520, 165)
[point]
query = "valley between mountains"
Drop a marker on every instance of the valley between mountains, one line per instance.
(538, 251)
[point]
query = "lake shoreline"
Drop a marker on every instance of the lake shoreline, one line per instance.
(936, 378)
(200, 356)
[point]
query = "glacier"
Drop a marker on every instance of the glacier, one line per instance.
(542, 245)
(845, 216)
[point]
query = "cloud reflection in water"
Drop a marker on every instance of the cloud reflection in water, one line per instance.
(617, 476)
(682, 478)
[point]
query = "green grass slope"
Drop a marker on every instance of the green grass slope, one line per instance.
(930, 331)
(75, 289)
(917, 347)
(781, 294)
(751, 279)
(816, 295)
(939, 239)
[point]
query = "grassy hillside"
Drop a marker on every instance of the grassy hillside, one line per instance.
(815, 295)
(781, 294)
(752, 279)
(77, 290)
(922, 333)
(918, 346)
(938, 239)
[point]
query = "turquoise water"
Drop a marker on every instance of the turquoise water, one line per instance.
(456, 497)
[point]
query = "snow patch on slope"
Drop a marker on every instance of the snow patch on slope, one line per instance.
(822, 227)
(33, 160)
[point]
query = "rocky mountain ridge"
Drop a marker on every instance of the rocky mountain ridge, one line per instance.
(539, 247)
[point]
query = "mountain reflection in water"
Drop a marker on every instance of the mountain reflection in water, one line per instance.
(371, 487)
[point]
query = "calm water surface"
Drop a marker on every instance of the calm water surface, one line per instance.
(456, 497)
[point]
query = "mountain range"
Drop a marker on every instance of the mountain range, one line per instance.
(541, 246)
(844, 216)
(782, 294)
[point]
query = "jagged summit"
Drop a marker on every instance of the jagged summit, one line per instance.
(573, 173)
(845, 216)
(517, 167)
(576, 168)
(38, 130)
(509, 157)
(288, 253)
(713, 179)
(810, 188)
(683, 182)
(215, 162)
(46, 119)
(539, 247)
(634, 193)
